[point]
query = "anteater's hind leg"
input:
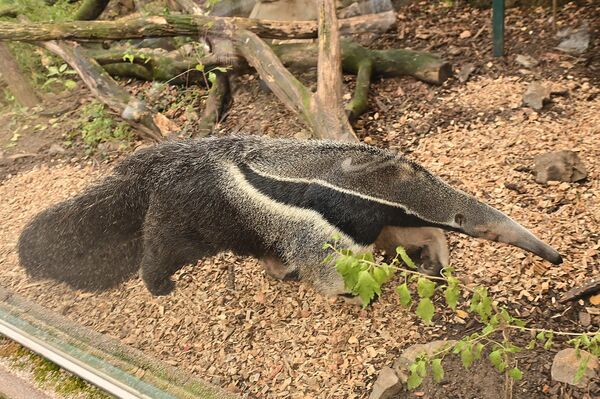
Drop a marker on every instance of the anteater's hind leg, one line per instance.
(168, 246)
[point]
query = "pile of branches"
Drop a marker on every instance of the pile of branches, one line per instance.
(232, 45)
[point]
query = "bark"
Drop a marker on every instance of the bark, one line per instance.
(590, 287)
(217, 103)
(17, 84)
(90, 10)
(182, 25)
(326, 105)
(106, 89)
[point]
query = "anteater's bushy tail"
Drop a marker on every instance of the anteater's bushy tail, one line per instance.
(92, 241)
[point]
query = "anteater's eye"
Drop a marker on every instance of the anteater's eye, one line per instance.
(459, 219)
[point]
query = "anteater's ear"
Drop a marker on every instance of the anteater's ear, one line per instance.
(351, 165)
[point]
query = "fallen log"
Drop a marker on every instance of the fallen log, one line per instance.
(183, 25)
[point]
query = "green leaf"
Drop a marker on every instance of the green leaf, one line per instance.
(478, 349)
(220, 69)
(540, 336)
(404, 294)
(199, 67)
(425, 287)
(581, 369)
(414, 381)
(405, 258)
(62, 68)
(467, 356)
(349, 268)
(452, 294)
(515, 374)
(531, 344)
(421, 368)
(380, 275)
(437, 370)
(128, 57)
(70, 84)
(497, 360)
(212, 77)
(548, 343)
(425, 310)
(366, 287)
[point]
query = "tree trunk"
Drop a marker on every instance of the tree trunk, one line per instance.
(327, 104)
(181, 25)
(17, 84)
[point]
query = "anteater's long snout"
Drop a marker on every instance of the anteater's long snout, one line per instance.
(508, 231)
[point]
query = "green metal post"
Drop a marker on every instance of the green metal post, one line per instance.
(498, 27)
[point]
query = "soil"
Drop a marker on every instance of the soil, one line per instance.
(267, 338)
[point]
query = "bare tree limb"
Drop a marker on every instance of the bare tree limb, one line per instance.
(217, 103)
(106, 89)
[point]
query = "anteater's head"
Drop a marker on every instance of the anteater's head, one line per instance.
(423, 199)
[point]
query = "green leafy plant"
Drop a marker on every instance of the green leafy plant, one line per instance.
(364, 277)
(98, 126)
(59, 74)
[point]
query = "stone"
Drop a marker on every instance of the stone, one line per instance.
(387, 385)
(565, 166)
(285, 10)
(575, 41)
(526, 60)
(566, 363)
(410, 354)
(465, 72)
(536, 95)
(56, 149)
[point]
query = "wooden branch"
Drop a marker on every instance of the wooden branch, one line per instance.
(392, 62)
(181, 25)
(217, 103)
(106, 89)
(9, 11)
(17, 84)
(282, 83)
(90, 10)
(590, 287)
(360, 99)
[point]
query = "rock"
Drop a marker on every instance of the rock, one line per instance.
(56, 149)
(465, 72)
(576, 41)
(387, 385)
(566, 363)
(559, 166)
(410, 354)
(585, 319)
(526, 61)
(465, 34)
(536, 95)
(285, 10)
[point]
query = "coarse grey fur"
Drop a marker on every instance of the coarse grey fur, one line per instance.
(278, 200)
